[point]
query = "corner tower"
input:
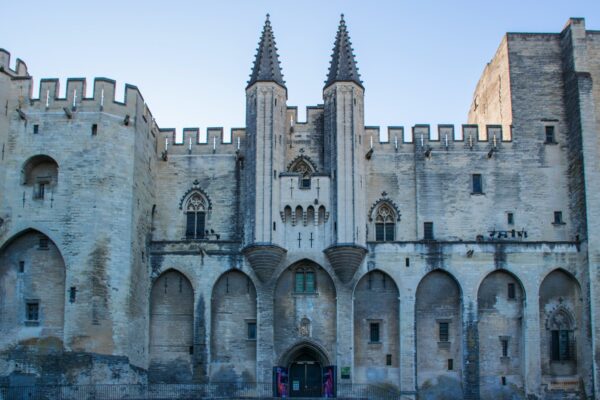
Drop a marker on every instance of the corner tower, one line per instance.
(266, 97)
(344, 156)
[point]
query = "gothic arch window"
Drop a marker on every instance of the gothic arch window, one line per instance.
(562, 339)
(385, 225)
(196, 208)
(304, 280)
(305, 169)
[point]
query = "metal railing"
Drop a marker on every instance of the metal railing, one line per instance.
(164, 391)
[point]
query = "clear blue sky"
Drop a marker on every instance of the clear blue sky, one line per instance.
(419, 60)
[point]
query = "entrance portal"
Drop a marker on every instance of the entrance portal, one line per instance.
(305, 377)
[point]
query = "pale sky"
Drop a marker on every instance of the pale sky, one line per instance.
(419, 60)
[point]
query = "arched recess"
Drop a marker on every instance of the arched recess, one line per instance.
(40, 172)
(500, 305)
(32, 289)
(438, 318)
(561, 335)
(304, 307)
(376, 329)
(171, 329)
(234, 329)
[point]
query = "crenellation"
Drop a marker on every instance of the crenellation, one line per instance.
(20, 70)
(448, 260)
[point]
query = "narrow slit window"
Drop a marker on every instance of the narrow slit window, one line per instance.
(450, 364)
(36, 129)
(511, 291)
(94, 129)
(510, 218)
(504, 344)
(477, 184)
(251, 330)
(444, 332)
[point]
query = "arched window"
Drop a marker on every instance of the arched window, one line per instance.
(303, 167)
(195, 210)
(384, 224)
(562, 346)
(41, 173)
(304, 280)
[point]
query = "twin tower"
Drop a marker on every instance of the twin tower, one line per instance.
(339, 165)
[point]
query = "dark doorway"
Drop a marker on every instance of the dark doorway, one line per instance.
(305, 378)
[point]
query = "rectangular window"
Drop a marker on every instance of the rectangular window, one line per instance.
(72, 294)
(388, 359)
(503, 381)
(558, 219)
(21, 266)
(299, 282)
(305, 183)
(510, 218)
(504, 343)
(450, 364)
(32, 311)
(477, 183)
(36, 129)
(251, 330)
(428, 230)
(444, 331)
(562, 346)
(40, 190)
(379, 233)
(43, 243)
(511, 291)
(94, 129)
(550, 134)
(389, 232)
(190, 227)
(309, 284)
(374, 332)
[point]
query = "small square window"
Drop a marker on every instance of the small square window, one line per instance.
(477, 184)
(550, 138)
(36, 129)
(558, 218)
(511, 291)
(305, 183)
(32, 311)
(444, 331)
(450, 364)
(428, 230)
(251, 329)
(388, 359)
(510, 218)
(43, 243)
(374, 332)
(21, 266)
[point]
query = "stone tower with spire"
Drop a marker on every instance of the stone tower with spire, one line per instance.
(266, 97)
(344, 156)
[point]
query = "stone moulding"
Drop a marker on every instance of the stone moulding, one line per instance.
(345, 259)
(264, 259)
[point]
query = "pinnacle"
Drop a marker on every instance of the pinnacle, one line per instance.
(343, 64)
(266, 64)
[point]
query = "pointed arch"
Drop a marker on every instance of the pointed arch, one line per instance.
(561, 312)
(438, 319)
(171, 328)
(233, 328)
(303, 165)
(377, 327)
(196, 206)
(32, 287)
(500, 304)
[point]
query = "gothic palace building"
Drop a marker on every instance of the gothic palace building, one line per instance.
(447, 262)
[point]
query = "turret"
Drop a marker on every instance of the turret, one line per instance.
(345, 156)
(266, 97)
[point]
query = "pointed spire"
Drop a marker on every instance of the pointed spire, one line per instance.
(266, 65)
(343, 65)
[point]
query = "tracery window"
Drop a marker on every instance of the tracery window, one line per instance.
(304, 280)
(384, 224)
(305, 171)
(195, 210)
(562, 338)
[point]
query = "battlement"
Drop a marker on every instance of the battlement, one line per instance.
(20, 69)
(445, 136)
(194, 141)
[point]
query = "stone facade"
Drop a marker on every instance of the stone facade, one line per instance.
(446, 262)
